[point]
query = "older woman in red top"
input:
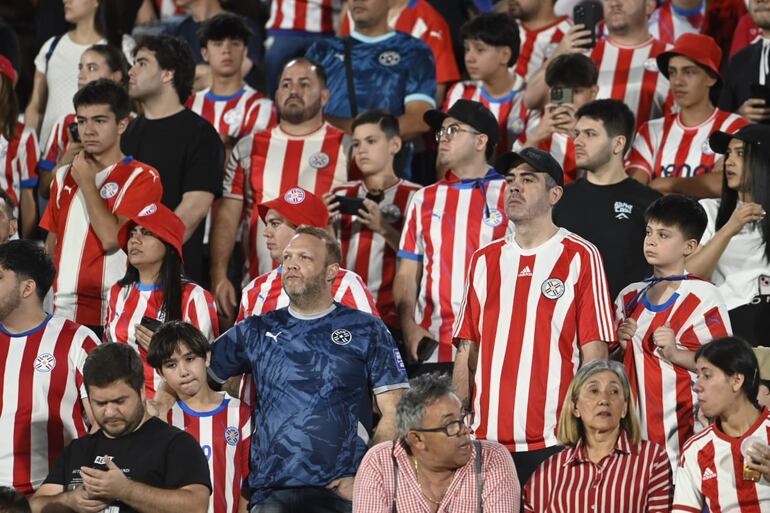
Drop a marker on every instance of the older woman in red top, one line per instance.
(605, 467)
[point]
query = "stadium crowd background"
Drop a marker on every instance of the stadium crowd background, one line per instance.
(232, 231)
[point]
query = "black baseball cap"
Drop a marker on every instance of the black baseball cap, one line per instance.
(468, 112)
(540, 160)
(755, 133)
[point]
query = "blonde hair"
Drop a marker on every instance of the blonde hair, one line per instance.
(570, 429)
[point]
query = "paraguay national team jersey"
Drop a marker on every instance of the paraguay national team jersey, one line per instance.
(537, 45)
(390, 71)
(18, 163)
(234, 116)
(314, 376)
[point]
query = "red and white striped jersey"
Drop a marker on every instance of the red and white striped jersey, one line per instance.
(562, 148)
(225, 437)
(710, 472)
(265, 294)
(445, 224)
(537, 45)
(663, 391)
(665, 147)
(422, 21)
(530, 312)
(267, 164)
(127, 305)
(513, 118)
(315, 16)
(667, 25)
(367, 253)
(41, 387)
(630, 74)
(58, 139)
(18, 158)
(85, 271)
(237, 115)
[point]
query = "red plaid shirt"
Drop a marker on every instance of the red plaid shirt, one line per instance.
(373, 492)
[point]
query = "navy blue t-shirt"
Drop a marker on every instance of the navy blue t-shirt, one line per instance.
(313, 378)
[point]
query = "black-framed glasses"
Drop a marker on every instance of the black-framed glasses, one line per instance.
(452, 130)
(453, 428)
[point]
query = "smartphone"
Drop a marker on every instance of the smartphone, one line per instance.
(760, 91)
(588, 14)
(349, 205)
(560, 95)
(425, 348)
(74, 135)
(150, 323)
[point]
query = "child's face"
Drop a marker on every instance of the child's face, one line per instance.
(666, 245)
(763, 396)
(372, 149)
(185, 372)
(483, 60)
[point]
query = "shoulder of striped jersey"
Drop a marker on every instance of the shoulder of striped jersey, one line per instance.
(696, 438)
(490, 247)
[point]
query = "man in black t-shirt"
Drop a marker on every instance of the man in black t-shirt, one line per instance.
(606, 206)
(134, 463)
(182, 146)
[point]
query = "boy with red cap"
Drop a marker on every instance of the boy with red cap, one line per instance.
(677, 144)
(282, 216)
(153, 290)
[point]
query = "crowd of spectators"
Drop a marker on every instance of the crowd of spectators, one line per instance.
(386, 255)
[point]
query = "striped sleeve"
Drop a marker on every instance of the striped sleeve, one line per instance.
(660, 489)
(594, 310)
(466, 325)
(687, 495)
(642, 154)
(57, 141)
(411, 246)
(235, 174)
(88, 342)
(201, 312)
(354, 293)
(26, 159)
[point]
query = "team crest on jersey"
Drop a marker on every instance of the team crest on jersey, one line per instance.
(295, 196)
(341, 337)
(233, 117)
(319, 160)
(494, 219)
(553, 288)
(232, 436)
(109, 190)
(148, 210)
(651, 64)
(389, 58)
(3, 147)
(391, 213)
(45, 362)
(706, 148)
(517, 126)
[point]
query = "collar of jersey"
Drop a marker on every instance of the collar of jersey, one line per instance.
(216, 98)
(622, 445)
(28, 332)
(661, 307)
(209, 413)
(148, 287)
(470, 183)
(369, 39)
(305, 317)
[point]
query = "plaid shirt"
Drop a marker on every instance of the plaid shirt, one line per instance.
(373, 491)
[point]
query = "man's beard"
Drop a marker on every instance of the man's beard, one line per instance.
(9, 303)
(131, 423)
(296, 115)
(308, 292)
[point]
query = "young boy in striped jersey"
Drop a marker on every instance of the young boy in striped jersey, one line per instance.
(664, 319)
(221, 424)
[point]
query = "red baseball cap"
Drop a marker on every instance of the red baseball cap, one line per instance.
(298, 206)
(699, 48)
(6, 68)
(161, 221)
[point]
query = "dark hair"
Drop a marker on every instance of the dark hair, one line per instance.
(224, 26)
(104, 92)
(9, 108)
(387, 122)
(614, 114)
(114, 58)
(172, 54)
(10, 205)
(680, 211)
(13, 501)
(170, 281)
(494, 29)
(733, 355)
(756, 160)
(29, 261)
(333, 251)
(316, 67)
(571, 70)
(113, 362)
(168, 337)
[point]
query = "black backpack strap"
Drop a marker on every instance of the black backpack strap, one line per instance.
(393, 508)
(51, 48)
(349, 76)
(479, 476)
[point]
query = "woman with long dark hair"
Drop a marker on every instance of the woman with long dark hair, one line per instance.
(734, 250)
(154, 290)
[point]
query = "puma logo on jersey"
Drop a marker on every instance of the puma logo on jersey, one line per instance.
(708, 474)
(274, 337)
(525, 272)
(435, 33)
(67, 189)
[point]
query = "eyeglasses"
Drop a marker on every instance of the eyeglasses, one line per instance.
(453, 428)
(452, 130)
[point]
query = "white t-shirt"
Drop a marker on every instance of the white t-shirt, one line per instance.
(739, 272)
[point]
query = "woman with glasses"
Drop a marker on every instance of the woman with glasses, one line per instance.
(606, 467)
(434, 465)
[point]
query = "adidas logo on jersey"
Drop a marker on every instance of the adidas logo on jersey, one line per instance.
(708, 474)
(525, 272)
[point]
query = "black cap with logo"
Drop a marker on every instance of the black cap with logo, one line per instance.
(468, 112)
(540, 160)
